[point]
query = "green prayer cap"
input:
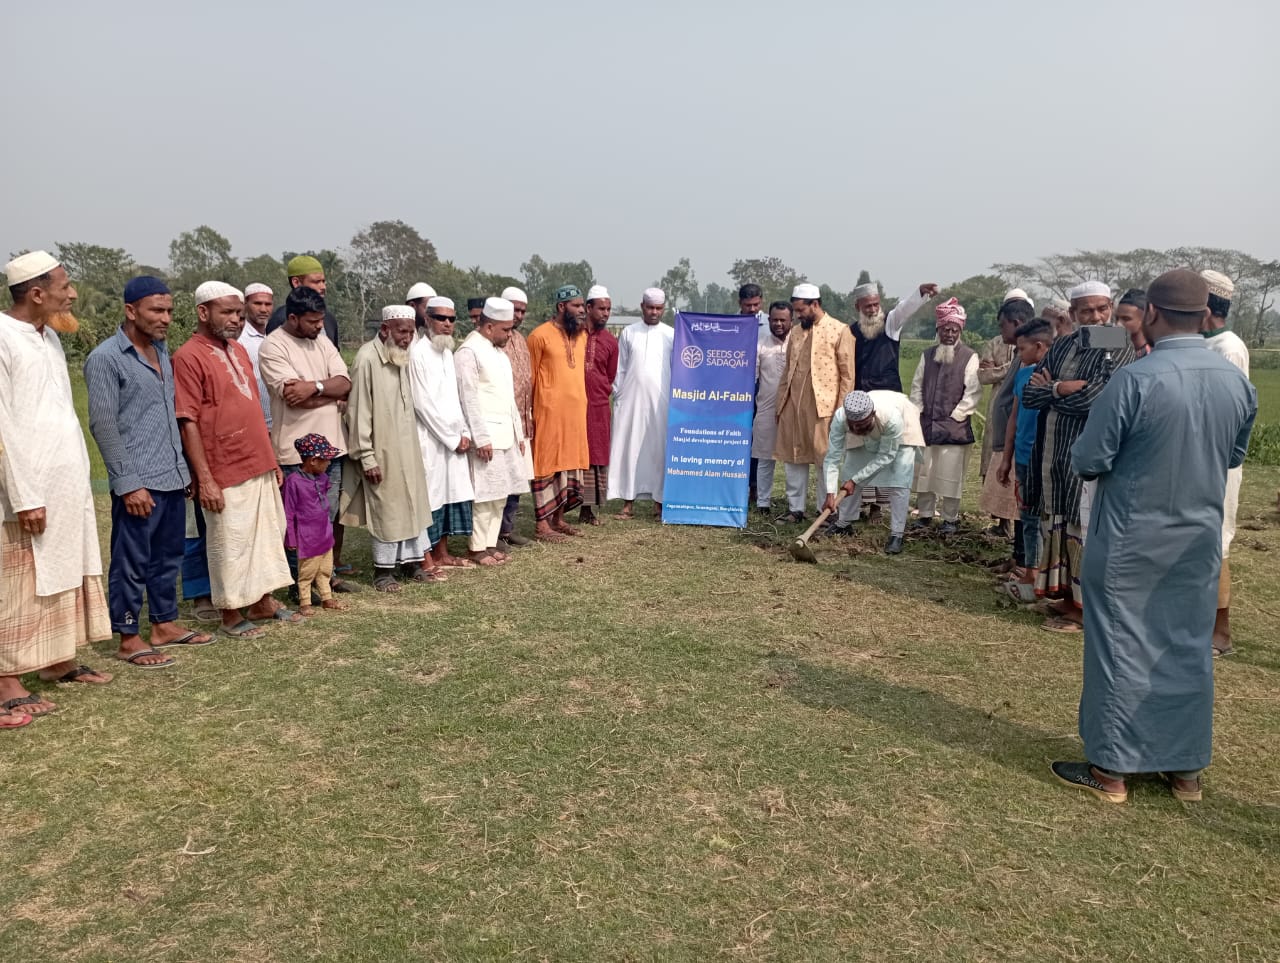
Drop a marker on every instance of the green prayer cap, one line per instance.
(302, 265)
(567, 292)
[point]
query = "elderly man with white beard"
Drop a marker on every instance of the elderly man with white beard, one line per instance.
(947, 392)
(442, 432)
(383, 485)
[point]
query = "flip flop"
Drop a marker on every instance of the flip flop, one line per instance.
(242, 630)
(207, 613)
(133, 660)
(190, 639)
(1065, 626)
(283, 614)
(455, 562)
(428, 575)
(387, 584)
(74, 676)
(14, 720)
(26, 700)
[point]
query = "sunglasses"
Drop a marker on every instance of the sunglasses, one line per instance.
(441, 317)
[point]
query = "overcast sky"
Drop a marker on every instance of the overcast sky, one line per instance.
(920, 140)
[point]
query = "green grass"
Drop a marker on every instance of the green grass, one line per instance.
(649, 744)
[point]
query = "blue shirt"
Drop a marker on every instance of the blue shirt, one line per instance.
(132, 419)
(1025, 438)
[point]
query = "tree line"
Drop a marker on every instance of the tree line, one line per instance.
(380, 262)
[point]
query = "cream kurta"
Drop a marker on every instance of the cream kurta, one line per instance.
(45, 464)
(771, 360)
(641, 395)
(487, 396)
(441, 426)
(382, 434)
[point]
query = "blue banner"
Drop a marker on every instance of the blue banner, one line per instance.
(713, 381)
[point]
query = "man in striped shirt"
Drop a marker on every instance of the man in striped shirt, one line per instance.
(131, 415)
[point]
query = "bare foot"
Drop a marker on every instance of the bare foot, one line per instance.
(334, 605)
(544, 533)
(564, 529)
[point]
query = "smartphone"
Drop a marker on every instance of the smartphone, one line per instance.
(1103, 337)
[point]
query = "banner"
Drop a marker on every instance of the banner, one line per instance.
(713, 381)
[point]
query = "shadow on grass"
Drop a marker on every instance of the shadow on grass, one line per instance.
(922, 714)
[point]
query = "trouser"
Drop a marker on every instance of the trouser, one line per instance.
(1030, 520)
(798, 485)
(195, 563)
(928, 501)
(486, 524)
(146, 556)
(316, 570)
(1188, 775)
(763, 469)
(508, 515)
(899, 503)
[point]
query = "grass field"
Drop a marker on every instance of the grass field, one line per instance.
(650, 744)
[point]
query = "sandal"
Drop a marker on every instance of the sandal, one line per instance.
(1059, 624)
(28, 700)
(14, 720)
(74, 675)
(428, 575)
(206, 612)
(1020, 592)
(191, 638)
(1195, 794)
(283, 614)
(243, 630)
(455, 562)
(386, 583)
(133, 660)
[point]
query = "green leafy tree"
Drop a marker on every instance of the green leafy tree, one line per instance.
(201, 255)
(775, 278)
(541, 278)
(383, 262)
(681, 286)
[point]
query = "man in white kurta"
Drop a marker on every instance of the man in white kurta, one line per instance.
(442, 430)
(51, 599)
(947, 392)
(1231, 346)
(771, 361)
(499, 459)
(637, 449)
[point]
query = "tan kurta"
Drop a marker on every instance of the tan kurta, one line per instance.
(382, 433)
(1000, 356)
(817, 376)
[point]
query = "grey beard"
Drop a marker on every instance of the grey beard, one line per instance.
(944, 353)
(871, 327)
(443, 342)
(397, 355)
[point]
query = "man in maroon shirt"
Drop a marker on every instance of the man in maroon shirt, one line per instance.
(233, 466)
(601, 370)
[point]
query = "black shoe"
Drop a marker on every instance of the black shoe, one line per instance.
(514, 538)
(894, 545)
(839, 530)
(794, 518)
(503, 546)
(763, 510)
(920, 524)
(1079, 775)
(948, 528)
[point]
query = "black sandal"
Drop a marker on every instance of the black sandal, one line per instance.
(74, 674)
(133, 660)
(27, 700)
(386, 584)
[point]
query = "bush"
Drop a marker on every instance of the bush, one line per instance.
(1264, 445)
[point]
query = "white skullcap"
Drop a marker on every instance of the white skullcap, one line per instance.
(398, 312)
(1219, 284)
(857, 406)
(256, 288)
(499, 309)
(1089, 289)
(1017, 294)
(515, 294)
(24, 267)
(865, 291)
(420, 290)
(212, 290)
(438, 301)
(653, 296)
(806, 292)
(598, 292)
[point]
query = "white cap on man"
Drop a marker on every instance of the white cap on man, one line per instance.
(653, 296)
(806, 292)
(398, 312)
(419, 291)
(439, 301)
(515, 294)
(257, 288)
(212, 290)
(24, 267)
(499, 309)
(598, 292)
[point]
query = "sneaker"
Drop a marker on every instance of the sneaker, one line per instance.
(1184, 790)
(894, 545)
(514, 538)
(1079, 775)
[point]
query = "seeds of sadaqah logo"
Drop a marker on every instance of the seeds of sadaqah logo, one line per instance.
(691, 356)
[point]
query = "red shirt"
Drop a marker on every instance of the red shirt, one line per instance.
(215, 387)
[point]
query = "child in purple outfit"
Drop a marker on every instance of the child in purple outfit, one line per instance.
(308, 526)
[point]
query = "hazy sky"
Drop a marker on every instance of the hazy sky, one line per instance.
(920, 140)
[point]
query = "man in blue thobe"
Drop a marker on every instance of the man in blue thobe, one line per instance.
(1159, 441)
(875, 441)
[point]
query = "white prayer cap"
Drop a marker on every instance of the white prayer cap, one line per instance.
(1219, 284)
(24, 267)
(398, 312)
(420, 290)
(871, 290)
(598, 292)
(1089, 289)
(515, 294)
(806, 292)
(857, 406)
(653, 296)
(499, 309)
(256, 288)
(439, 301)
(212, 290)
(1016, 294)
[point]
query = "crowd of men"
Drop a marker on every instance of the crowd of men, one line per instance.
(422, 439)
